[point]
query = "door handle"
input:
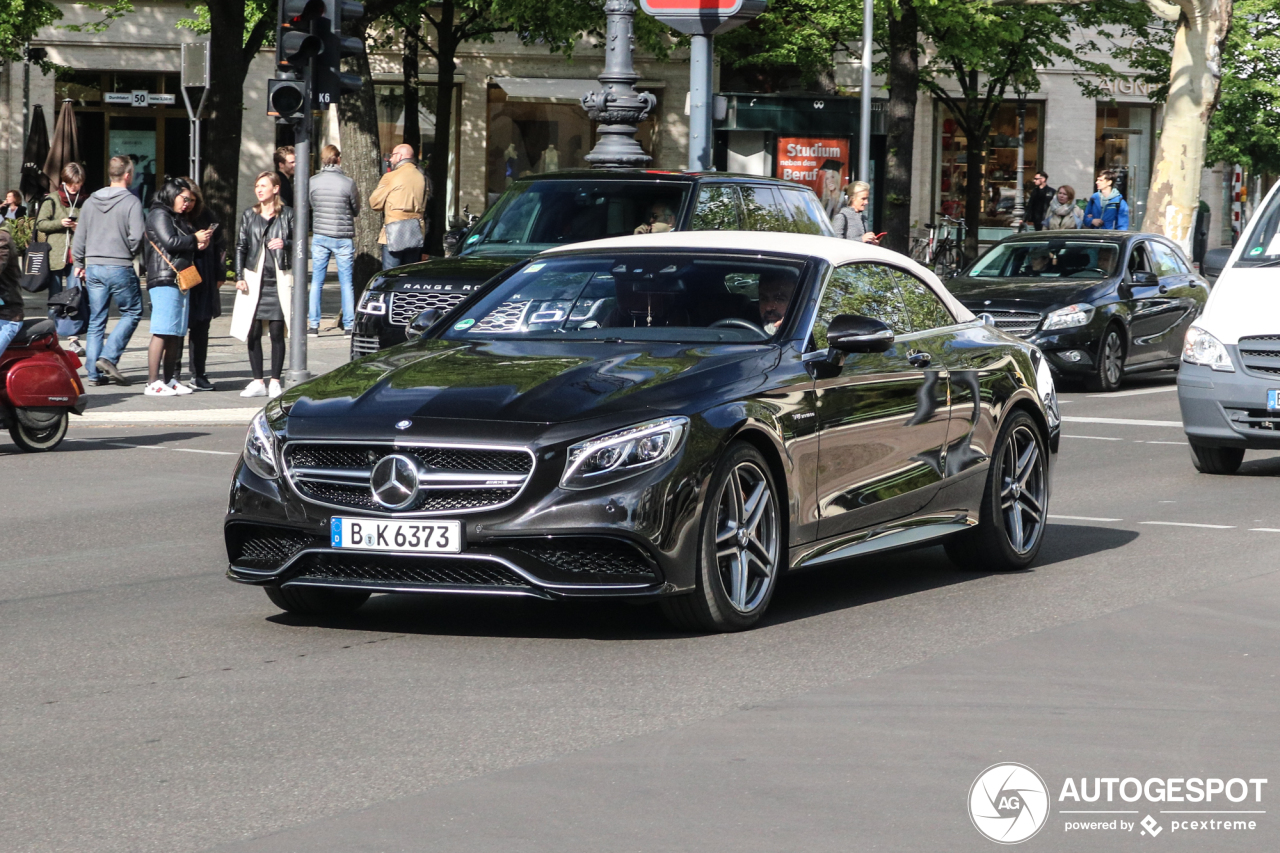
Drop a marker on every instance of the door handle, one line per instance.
(919, 359)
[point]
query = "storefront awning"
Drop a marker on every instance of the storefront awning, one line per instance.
(557, 89)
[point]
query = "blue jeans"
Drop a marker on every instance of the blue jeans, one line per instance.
(8, 331)
(105, 284)
(391, 259)
(344, 250)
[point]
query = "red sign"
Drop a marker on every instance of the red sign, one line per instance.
(822, 164)
(655, 7)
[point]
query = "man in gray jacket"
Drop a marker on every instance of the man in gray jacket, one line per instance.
(108, 237)
(334, 206)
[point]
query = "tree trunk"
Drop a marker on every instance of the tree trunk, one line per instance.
(1194, 74)
(438, 168)
(409, 65)
(224, 121)
(362, 157)
(904, 85)
(975, 149)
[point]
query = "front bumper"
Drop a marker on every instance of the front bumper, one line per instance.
(1228, 409)
(1070, 351)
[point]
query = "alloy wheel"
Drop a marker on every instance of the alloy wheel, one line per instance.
(1112, 358)
(1023, 488)
(747, 537)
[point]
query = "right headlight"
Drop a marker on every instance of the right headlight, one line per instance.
(1200, 347)
(373, 303)
(1065, 318)
(617, 455)
(260, 451)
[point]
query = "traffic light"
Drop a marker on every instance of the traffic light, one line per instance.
(285, 99)
(296, 41)
(330, 82)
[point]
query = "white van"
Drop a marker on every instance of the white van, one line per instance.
(1229, 379)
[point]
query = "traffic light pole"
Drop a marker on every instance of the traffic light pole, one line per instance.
(301, 225)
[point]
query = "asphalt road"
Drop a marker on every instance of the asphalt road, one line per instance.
(148, 704)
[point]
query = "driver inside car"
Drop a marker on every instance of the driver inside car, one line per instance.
(775, 289)
(1039, 262)
(661, 219)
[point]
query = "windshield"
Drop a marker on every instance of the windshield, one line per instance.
(539, 215)
(1262, 245)
(1054, 258)
(658, 296)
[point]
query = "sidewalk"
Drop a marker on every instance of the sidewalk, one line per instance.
(228, 369)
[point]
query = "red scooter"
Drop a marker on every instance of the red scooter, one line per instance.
(39, 387)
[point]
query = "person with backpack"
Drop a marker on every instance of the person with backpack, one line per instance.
(850, 222)
(56, 219)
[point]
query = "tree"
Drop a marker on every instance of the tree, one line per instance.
(1246, 126)
(1195, 75)
(20, 21)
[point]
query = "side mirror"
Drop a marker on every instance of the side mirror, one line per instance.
(1144, 278)
(422, 323)
(850, 333)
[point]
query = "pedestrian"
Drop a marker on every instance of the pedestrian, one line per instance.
(1107, 207)
(335, 203)
(1038, 203)
(10, 292)
(169, 248)
(401, 195)
(56, 217)
(1063, 212)
(107, 238)
(286, 162)
(851, 220)
(264, 281)
(13, 208)
(205, 298)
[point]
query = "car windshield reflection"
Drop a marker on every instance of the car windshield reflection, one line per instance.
(1048, 259)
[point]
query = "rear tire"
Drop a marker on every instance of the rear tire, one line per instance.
(1015, 504)
(316, 601)
(742, 548)
(1216, 460)
(1108, 368)
(39, 440)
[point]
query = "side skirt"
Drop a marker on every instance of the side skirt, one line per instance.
(903, 533)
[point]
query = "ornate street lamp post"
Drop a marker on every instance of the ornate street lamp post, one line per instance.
(1019, 206)
(618, 107)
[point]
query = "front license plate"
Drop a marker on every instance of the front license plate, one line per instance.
(1273, 401)
(409, 537)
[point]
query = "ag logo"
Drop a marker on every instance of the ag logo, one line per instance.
(1008, 803)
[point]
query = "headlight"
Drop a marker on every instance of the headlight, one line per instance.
(1200, 347)
(1078, 314)
(260, 448)
(373, 303)
(617, 455)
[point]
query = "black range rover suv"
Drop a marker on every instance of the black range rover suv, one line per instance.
(543, 212)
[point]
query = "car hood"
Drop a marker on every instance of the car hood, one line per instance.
(1026, 293)
(1244, 302)
(530, 381)
(438, 271)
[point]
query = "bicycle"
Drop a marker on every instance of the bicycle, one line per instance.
(943, 249)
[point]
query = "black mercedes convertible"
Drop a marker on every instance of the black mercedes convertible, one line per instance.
(682, 418)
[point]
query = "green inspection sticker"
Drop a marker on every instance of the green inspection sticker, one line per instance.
(464, 324)
(1256, 250)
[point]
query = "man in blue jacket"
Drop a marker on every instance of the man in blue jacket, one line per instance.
(1107, 208)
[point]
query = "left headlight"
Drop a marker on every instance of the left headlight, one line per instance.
(1200, 347)
(617, 455)
(373, 303)
(1078, 314)
(260, 451)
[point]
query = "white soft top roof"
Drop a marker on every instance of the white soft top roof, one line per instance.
(831, 249)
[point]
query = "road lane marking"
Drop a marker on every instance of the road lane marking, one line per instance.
(1190, 524)
(109, 443)
(1094, 437)
(1121, 421)
(1264, 530)
(1136, 392)
(1179, 443)
(230, 417)
(1082, 518)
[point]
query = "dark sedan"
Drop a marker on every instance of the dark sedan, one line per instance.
(1100, 304)
(681, 418)
(547, 211)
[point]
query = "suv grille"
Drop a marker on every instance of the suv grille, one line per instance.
(1020, 323)
(452, 479)
(392, 569)
(361, 345)
(1261, 354)
(406, 306)
(505, 318)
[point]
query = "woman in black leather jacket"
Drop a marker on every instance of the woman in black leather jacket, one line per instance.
(169, 246)
(264, 281)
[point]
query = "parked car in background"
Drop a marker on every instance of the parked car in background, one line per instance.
(1100, 304)
(547, 211)
(1229, 384)
(677, 418)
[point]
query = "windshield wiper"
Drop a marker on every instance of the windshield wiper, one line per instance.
(1274, 263)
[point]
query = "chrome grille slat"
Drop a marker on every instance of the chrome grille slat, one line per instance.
(1019, 323)
(406, 306)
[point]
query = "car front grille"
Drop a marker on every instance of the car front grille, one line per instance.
(406, 306)
(1023, 324)
(393, 569)
(361, 345)
(266, 548)
(1255, 419)
(1260, 355)
(586, 555)
(452, 478)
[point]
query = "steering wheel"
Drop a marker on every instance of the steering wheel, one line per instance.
(737, 322)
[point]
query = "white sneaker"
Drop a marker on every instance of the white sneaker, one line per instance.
(274, 390)
(178, 389)
(159, 389)
(254, 389)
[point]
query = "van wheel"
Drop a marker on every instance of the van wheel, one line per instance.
(1216, 460)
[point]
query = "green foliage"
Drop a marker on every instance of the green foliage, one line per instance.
(20, 20)
(21, 229)
(1246, 127)
(253, 11)
(111, 12)
(799, 34)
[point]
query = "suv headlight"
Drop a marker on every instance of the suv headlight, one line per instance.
(1200, 347)
(373, 303)
(617, 455)
(1078, 314)
(260, 448)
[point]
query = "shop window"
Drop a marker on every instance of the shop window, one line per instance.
(82, 87)
(1123, 144)
(999, 173)
(390, 103)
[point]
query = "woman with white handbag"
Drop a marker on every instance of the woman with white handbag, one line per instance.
(264, 282)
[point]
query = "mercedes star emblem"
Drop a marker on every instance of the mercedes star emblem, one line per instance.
(404, 424)
(394, 481)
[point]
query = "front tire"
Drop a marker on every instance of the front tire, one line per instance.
(1216, 460)
(316, 601)
(42, 439)
(1015, 504)
(1108, 369)
(741, 548)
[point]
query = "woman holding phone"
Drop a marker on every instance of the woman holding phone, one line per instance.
(205, 298)
(264, 281)
(851, 222)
